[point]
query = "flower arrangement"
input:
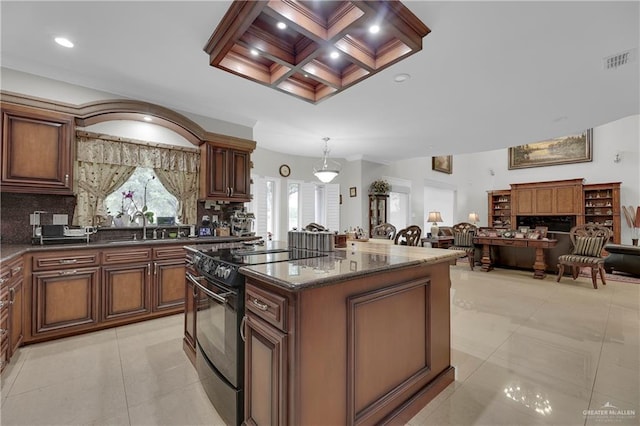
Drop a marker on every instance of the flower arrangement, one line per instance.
(379, 186)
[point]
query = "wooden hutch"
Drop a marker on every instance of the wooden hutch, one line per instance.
(588, 203)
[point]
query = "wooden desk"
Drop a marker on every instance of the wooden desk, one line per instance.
(539, 265)
(439, 242)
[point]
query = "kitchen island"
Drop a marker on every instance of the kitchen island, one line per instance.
(360, 336)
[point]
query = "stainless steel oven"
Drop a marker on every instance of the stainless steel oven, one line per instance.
(220, 348)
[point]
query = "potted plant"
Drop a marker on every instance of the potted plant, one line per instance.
(379, 186)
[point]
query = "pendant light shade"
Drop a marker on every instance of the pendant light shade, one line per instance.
(327, 169)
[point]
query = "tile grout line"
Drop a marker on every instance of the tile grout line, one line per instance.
(124, 386)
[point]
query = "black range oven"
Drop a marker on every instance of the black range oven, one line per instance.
(220, 347)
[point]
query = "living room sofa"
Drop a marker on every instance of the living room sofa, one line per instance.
(622, 258)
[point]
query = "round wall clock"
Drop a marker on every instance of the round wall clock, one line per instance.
(285, 171)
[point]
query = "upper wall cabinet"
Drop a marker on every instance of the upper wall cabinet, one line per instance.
(547, 198)
(37, 150)
(225, 173)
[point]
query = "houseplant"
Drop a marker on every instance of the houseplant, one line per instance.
(379, 186)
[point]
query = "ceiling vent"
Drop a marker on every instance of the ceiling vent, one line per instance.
(619, 59)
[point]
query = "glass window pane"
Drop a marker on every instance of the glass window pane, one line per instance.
(294, 205)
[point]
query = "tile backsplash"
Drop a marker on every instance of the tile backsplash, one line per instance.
(15, 209)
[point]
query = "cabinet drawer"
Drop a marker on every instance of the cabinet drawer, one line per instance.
(65, 259)
(169, 252)
(514, 243)
(126, 256)
(268, 306)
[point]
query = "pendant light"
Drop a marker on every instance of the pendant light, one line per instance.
(328, 169)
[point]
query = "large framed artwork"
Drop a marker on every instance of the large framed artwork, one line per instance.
(576, 148)
(442, 164)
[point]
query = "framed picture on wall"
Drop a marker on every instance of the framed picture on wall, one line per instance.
(442, 164)
(563, 150)
(352, 191)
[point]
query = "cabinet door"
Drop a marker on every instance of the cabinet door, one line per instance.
(524, 201)
(16, 320)
(239, 177)
(265, 395)
(545, 199)
(565, 200)
(4, 338)
(65, 300)
(215, 173)
(126, 291)
(37, 154)
(168, 286)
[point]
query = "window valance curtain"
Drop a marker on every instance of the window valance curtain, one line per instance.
(103, 163)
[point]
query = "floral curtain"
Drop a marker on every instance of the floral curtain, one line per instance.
(184, 186)
(104, 162)
(94, 181)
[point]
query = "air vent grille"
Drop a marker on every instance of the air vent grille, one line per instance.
(618, 60)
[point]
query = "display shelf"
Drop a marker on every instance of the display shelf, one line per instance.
(377, 210)
(602, 206)
(499, 209)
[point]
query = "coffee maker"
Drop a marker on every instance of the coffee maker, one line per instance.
(242, 224)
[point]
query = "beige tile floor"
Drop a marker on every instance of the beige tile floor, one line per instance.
(526, 352)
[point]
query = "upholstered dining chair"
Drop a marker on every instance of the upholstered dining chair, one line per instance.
(588, 241)
(409, 236)
(384, 231)
(463, 234)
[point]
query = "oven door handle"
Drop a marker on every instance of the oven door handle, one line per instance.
(206, 291)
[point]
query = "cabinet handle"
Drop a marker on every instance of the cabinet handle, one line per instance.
(68, 272)
(260, 305)
(3, 331)
(12, 295)
(148, 269)
(16, 270)
(66, 180)
(195, 292)
(242, 326)
(1, 304)
(231, 192)
(2, 280)
(155, 268)
(67, 261)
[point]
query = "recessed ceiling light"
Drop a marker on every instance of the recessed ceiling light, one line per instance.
(281, 25)
(63, 42)
(374, 29)
(334, 55)
(400, 78)
(147, 118)
(254, 52)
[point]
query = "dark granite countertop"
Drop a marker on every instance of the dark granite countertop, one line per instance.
(9, 251)
(360, 258)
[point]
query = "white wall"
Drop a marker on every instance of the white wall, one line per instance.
(471, 176)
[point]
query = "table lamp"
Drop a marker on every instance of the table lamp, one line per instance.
(474, 218)
(435, 218)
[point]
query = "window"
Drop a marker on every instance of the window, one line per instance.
(159, 200)
(293, 205)
(398, 209)
(264, 205)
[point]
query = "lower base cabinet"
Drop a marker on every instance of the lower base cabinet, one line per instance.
(125, 291)
(169, 284)
(65, 300)
(266, 371)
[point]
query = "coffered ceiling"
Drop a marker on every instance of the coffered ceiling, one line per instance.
(489, 75)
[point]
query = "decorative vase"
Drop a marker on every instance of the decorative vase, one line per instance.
(122, 221)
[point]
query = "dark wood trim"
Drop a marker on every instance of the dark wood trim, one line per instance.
(126, 109)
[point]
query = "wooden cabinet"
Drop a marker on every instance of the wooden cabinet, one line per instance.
(37, 151)
(63, 296)
(64, 300)
(168, 278)
(377, 211)
(547, 198)
(11, 308)
(224, 173)
(499, 209)
(602, 206)
(309, 349)
(126, 291)
(266, 358)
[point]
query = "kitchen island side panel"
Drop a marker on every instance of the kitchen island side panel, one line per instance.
(366, 346)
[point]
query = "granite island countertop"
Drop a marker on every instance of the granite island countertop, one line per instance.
(358, 259)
